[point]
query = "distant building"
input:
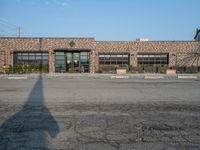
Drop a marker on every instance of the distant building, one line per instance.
(142, 39)
(197, 36)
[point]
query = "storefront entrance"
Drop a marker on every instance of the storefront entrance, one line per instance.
(72, 61)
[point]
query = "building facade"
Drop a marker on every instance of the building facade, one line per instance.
(88, 55)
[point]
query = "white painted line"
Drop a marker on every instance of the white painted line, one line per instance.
(119, 77)
(17, 78)
(153, 77)
(187, 77)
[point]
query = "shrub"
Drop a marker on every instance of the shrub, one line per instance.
(136, 69)
(191, 69)
(107, 68)
(161, 69)
(29, 68)
(45, 68)
(150, 69)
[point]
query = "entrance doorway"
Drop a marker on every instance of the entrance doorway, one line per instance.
(72, 61)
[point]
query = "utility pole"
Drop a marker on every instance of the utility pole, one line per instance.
(19, 31)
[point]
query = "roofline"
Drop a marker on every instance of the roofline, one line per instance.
(168, 41)
(47, 37)
(128, 41)
(113, 41)
(152, 41)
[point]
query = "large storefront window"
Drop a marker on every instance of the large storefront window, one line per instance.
(114, 59)
(110, 62)
(74, 61)
(152, 59)
(31, 62)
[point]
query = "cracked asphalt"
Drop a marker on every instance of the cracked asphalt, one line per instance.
(100, 114)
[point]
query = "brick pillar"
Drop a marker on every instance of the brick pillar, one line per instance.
(51, 61)
(7, 57)
(96, 61)
(2, 59)
(11, 58)
(92, 61)
(133, 58)
(173, 58)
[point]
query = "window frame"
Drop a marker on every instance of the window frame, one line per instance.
(151, 59)
(31, 57)
(113, 58)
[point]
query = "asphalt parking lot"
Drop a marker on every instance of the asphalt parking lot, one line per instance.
(110, 114)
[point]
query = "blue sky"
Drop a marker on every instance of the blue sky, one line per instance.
(102, 19)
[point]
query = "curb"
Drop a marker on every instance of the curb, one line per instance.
(154, 77)
(17, 78)
(120, 77)
(100, 76)
(187, 77)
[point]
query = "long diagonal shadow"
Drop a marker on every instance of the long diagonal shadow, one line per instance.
(29, 128)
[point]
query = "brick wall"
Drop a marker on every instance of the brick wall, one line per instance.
(52, 44)
(180, 52)
(115, 47)
(2, 59)
(11, 45)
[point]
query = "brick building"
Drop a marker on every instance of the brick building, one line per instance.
(89, 55)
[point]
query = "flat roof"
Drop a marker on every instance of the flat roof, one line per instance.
(97, 40)
(47, 37)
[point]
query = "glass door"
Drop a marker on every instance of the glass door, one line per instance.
(76, 61)
(72, 62)
(69, 63)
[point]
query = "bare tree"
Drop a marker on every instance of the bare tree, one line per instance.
(192, 58)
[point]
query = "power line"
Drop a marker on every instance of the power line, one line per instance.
(5, 33)
(8, 26)
(19, 32)
(7, 23)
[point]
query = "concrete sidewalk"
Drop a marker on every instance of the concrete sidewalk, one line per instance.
(100, 76)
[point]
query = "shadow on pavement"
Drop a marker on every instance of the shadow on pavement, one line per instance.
(30, 127)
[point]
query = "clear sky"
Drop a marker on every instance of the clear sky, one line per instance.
(102, 19)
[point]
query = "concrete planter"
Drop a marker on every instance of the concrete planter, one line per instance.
(171, 71)
(121, 71)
